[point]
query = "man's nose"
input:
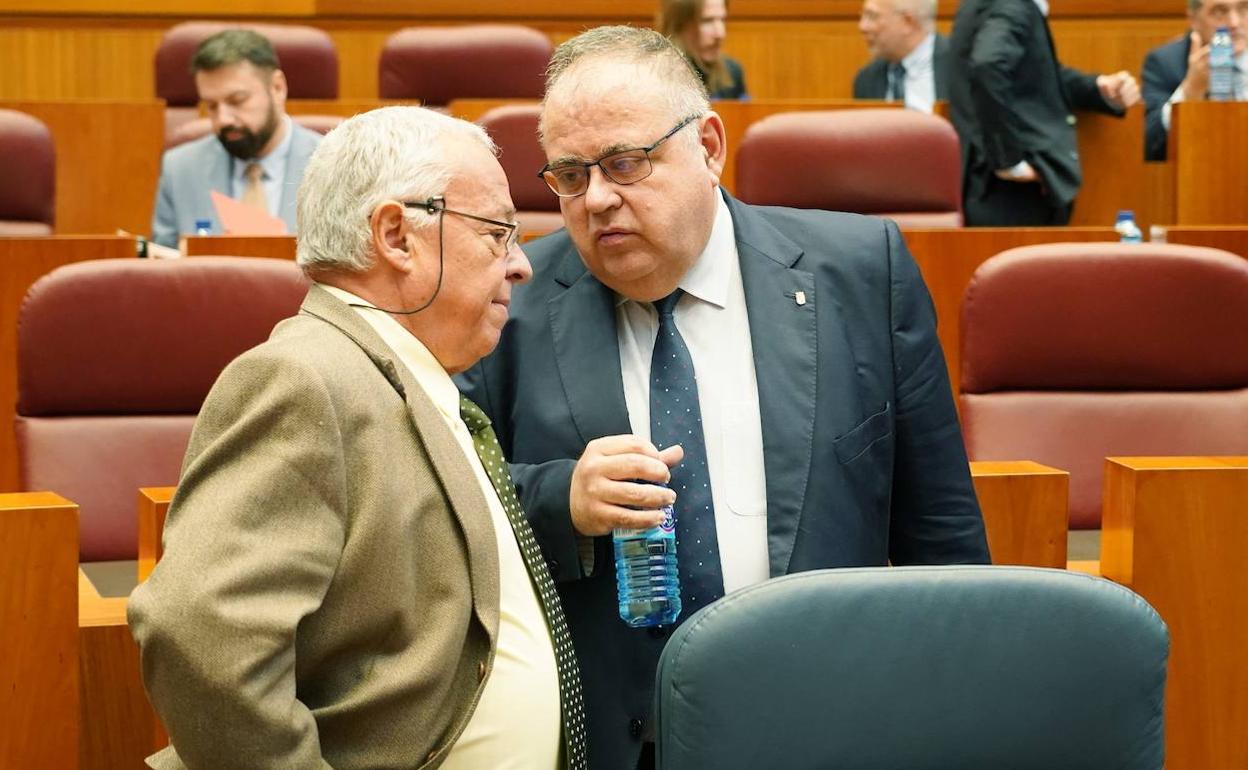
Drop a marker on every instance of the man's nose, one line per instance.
(519, 270)
(600, 193)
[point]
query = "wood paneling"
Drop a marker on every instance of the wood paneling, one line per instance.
(1210, 158)
(118, 725)
(153, 508)
(1025, 506)
(107, 162)
(1229, 238)
(22, 262)
(274, 246)
(948, 258)
(1175, 532)
(38, 634)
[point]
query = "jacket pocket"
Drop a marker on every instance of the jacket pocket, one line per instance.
(857, 440)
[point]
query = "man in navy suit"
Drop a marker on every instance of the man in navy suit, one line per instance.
(827, 434)
(1179, 70)
(911, 59)
(256, 153)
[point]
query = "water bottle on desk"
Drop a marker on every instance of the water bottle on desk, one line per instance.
(1222, 66)
(203, 227)
(646, 573)
(1128, 230)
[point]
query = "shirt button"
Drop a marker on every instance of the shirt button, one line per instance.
(634, 728)
(657, 632)
(481, 671)
(553, 566)
(1070, 120)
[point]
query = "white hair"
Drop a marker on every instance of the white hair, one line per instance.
(392, 153)
(923, 10)
(683, 90)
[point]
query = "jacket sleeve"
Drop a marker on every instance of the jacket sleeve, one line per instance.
(1156, 90)
(998, 47)
(1083, 92)
(252, 542)
(935, 516)
(165, 217)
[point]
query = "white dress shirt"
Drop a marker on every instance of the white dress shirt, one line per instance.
(712, 320)
(1043, 5)
(1241, 89)
(273, 166)
(516, 724)
(921, 75)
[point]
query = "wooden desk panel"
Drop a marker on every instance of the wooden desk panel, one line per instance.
(948, 258)
(1025, 506)
(1210, 159)
(1175, 532)
(107, 162)
(119, 728)
(38, 636)
(153, 508)
(274, 246)
(22, 262)
(1232, 238)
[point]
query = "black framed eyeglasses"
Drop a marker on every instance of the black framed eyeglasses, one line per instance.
(568, 180)
(437, 205)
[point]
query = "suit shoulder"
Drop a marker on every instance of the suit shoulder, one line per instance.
(1169, 54)
(847, 238)
(192, 154)
(306, 136)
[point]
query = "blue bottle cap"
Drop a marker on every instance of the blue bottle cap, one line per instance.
(203, 224)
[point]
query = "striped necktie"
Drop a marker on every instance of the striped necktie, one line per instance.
(896, 82)
(253, 193)
(485, 442)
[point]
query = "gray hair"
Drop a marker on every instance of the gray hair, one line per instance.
(683, 90)
(923, 10)
(392, 153)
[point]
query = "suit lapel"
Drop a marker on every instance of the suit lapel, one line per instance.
(447, 458)
(784, 338)
(587, 351)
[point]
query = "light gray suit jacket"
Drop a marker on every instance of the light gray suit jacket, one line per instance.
(328, 595)
(190, 171)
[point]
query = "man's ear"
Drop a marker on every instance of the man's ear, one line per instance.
(714, 144)
(278, 86)
(390, 234)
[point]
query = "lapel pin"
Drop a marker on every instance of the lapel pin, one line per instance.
(800, 298)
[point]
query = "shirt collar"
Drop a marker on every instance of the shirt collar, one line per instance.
(410, 351)
(921, 57)
(711, 272)
(1043, 5)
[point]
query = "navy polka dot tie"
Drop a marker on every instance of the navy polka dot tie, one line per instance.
(573, 708)
(676, 418)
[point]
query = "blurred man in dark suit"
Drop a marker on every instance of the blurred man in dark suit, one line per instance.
(911, 60)
(1179, 70)
(1012, 103)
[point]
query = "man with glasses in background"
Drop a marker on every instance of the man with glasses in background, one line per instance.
(801, 416)
(1179, 70)
(348, 580)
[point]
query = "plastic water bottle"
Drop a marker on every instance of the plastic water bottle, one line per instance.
(1128, 230)
(203, 227)
(646, 574)
(1221, 66)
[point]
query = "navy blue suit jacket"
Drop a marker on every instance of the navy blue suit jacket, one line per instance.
(1164, 70)
(863, 453)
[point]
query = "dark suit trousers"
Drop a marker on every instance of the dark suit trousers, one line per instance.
(1014, 204)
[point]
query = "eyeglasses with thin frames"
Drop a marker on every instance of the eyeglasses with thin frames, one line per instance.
(568, 180)
(437, 205)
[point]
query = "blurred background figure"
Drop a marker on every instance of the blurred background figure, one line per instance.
(1179, 70)
(910, 60)
(698, 28)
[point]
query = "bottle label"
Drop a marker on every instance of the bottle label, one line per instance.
(669, 521)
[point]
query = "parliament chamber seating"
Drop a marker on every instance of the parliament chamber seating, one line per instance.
(28, 181)
(1073, 352)
(307, 56)
(115, 358)
(895, 163)
(474, 61)
(923, 668)
(513, 128)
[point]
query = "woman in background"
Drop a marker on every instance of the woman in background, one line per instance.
(697, 28)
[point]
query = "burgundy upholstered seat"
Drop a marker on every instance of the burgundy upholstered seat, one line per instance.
(514, 129)
(27, 176)
(1073, 352)
(896, 163)
(307, 55)
(475, 61)
(115, 358)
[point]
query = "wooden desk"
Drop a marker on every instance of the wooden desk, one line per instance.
(1210, 159)
(118, 725)
(153, 508)
(1232, 238)
(948, 258)
(274, 246)
(38, 637)
(1025, 506)
(107, 161)
(1175, 532)
(22, 262)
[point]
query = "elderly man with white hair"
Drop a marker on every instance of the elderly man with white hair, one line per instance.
(348, 580)
(910, 58)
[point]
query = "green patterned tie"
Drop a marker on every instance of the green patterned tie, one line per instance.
(486, 444)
